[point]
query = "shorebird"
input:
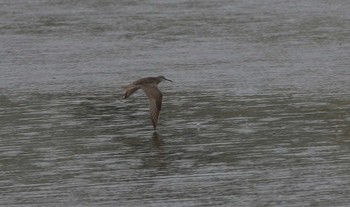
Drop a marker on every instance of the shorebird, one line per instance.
(149, 87)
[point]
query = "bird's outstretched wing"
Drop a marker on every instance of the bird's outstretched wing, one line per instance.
(129, 89)
(155, 101)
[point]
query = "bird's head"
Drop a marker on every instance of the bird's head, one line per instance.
(163, 78)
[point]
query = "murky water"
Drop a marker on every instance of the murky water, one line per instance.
(258, 114)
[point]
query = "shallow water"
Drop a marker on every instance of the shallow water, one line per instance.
(257, 115)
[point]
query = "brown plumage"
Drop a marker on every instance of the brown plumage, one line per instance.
(150, 88)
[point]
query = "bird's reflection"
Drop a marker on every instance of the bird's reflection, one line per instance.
(156, 140)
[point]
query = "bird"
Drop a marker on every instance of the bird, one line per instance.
(150, 88)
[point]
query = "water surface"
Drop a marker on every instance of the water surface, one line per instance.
(257, 115)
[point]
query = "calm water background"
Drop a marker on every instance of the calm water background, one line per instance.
(258, 114)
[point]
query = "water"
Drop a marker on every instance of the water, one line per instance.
(258, 114)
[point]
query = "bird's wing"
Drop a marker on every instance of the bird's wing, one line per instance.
(129, 89)
(155, 101)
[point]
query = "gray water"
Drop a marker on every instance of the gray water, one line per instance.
(258, 113)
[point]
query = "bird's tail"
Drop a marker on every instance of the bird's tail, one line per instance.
(129, 89)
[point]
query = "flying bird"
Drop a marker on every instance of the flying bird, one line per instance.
(150, 88)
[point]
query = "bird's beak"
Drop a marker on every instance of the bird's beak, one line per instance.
(168, 80)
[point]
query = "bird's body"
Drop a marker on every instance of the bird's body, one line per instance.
(150, 88)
